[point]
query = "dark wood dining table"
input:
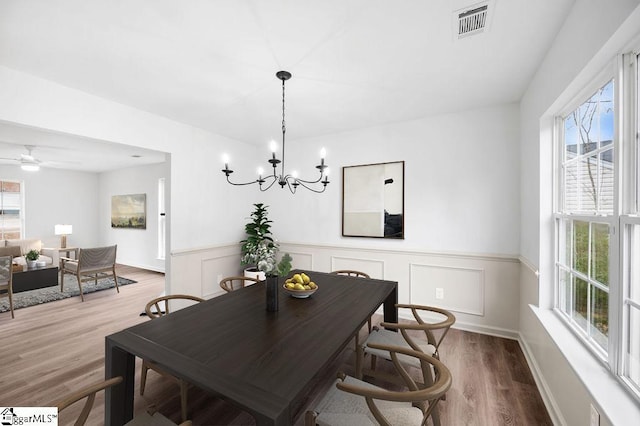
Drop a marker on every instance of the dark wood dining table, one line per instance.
(266, 363)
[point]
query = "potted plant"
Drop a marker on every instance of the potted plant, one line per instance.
(259, 243)
(32, 257)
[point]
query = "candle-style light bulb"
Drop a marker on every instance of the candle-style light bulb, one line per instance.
(323, 153)
(273, 147)
(260, 171)
(294, 174)
(225, 160)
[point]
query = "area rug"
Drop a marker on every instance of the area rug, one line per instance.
(50, 294)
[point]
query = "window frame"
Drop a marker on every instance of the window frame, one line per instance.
(626, 212)
(630, 209)
(22, 207)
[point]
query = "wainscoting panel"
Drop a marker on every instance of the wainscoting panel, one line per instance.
(211, 274)
(454, 288)
(483, 289)
(301, 260)
(199, 271)
(375, 268)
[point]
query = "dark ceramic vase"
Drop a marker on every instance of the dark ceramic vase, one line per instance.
(272, 293)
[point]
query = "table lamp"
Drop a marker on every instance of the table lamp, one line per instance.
(63, 231)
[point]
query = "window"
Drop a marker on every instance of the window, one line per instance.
(585, 215)
(162, 221)
(597, 223)
(10, 210)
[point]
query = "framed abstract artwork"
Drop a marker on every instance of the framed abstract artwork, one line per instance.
(373, 200)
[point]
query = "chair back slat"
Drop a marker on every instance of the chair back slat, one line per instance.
(161, 304)
(351, 273)
(95, 258)
(230, 284)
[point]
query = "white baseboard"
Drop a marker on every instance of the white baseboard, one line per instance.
(475, 328)
(543, 388)
(490, 331)
(147, 267)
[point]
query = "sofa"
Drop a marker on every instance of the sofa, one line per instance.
(18, 249)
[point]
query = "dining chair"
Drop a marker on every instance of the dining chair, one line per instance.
(156, 308)
(148, 418)
(6, 280)
(352, 273)
(355, 402)
(399, 334)
(91, 264)
(230, 284)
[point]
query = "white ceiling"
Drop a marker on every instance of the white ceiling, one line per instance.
(63, 151)
(212, 63)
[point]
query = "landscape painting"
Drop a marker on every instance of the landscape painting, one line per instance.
(129, 211)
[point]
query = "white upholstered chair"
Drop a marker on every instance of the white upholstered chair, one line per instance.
(91, 264)
(399, 334)
(353, 402)
(6, 280)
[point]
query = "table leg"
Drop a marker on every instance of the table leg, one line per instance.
(118, 403)
(390, 310)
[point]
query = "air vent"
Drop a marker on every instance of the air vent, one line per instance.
(471, 20)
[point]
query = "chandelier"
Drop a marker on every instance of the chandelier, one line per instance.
(291, 181)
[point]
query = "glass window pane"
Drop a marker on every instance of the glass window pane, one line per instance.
(605, 182)
(588, 183)
(564, 293)
(581, 246)
(588, 175)
(570, 137)
(564, 243)
(600, 252)
(633, 257)
(580, 295)
(600, 317)
(571, 193)
(605, 115)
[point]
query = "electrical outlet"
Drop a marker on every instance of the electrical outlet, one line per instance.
(594, 418)
(439, 293)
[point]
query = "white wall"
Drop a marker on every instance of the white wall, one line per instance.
(461, 207)
(55, 196)
(136, 247)
(461, 183)
(204, 209)
(587, 42)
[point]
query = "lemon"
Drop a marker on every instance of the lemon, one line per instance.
(290, 286)
(297, 279)
(312, 285)
(298, 286)
(305, 278)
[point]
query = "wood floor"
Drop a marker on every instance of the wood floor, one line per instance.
(52, 349)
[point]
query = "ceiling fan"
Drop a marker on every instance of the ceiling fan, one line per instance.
(27, 161)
